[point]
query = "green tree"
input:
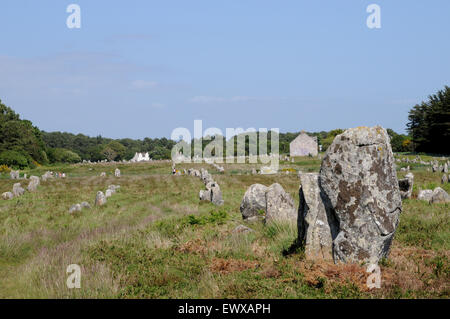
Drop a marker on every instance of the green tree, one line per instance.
(429, 123)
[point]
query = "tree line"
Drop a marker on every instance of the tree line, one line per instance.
(24, 145)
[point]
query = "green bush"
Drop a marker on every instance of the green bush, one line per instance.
(13, 159)
(61, 155)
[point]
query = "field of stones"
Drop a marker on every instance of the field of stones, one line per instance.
(142, 230)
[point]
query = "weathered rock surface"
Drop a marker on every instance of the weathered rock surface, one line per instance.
(109, 193)
(444, 179)
(425, 195)
(254, 201)
(7, 196)
(439, 196)
(241, 229)
(18, 190)
(14, 174)
(100, 199)
(406, 186)
(85, 205)
(315, 227)
(212, 194)
(359, 181)
(279, 205)
(75, 208)
(46, 176)
(34, 183)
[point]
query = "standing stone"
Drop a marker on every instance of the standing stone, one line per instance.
(212, 194)
(46, 176)
(117, 172)
(100, 199)
(425, 195)
(7, 196)
(406, 186)
(279, 205)
(439, 196)
(14, 174)
(108, 193)
(444, 179)
(216, 194)
(102, 174)
(34, 183)
(445, 167)
(316, 228)
(205, 194)
(360, 185)
(254, 201)
(18, 190)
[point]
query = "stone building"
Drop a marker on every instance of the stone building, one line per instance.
(303, 145)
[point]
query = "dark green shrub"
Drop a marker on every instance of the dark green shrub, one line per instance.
(13, 159)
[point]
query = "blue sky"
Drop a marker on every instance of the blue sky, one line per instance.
(142, 68)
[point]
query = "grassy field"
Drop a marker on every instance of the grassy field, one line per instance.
(154, 239)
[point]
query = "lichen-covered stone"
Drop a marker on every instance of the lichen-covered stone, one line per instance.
(100, 199)
(425, 195)
(359, 181)
(315, 227)
(279, 205)
(7, 196)
(34, 183)
(18, 190)
(254, 201)
(439, 196)
(212, 194)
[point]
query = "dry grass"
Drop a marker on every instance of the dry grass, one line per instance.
(142, 245)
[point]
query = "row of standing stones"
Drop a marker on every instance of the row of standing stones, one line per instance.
(212, 190)
(350, 210)
(18, 190)
(100, 198)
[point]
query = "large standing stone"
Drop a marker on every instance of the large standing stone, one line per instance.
(254, 201)
(360, 185)
(18, 190)
(100, 199)
(406, 186)
(315, 227)
(279, 205)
